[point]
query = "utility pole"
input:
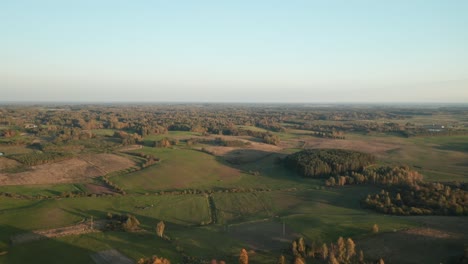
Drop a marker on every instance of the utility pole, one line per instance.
(284, 229)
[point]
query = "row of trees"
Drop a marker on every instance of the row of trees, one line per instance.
(343, 251)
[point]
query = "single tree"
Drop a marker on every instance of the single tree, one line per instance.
(294, 248)
(324, 251)
(299, 260)
(375, 229)
(301, 247)
(332, 259)
(341, 249)
(350, 249)
(160, 228)
(361, 256)
(243, 257)
(281, 260)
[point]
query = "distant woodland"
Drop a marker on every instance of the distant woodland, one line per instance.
(404, 190)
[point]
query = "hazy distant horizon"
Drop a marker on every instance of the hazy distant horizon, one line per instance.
(317, 104)
(243, 51)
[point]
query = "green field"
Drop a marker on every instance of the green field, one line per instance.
(103, 132)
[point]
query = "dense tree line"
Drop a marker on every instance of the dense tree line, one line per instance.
(405, 192)
(383, 175)
(325, 162)
(421, 199)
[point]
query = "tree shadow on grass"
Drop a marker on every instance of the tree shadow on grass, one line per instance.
(406, 247)
(44, 250)
(460, 147)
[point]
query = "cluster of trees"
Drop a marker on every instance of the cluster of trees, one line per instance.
(153, 260)
(343, 251)
(331, 134)
(325, 162)
(243, 259)
(421, 199)
(118, 222)
(163, 143)
(127, 138)
(267, 124)
(406, 193)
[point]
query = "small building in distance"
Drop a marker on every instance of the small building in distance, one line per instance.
(29, 126)
(434, 128)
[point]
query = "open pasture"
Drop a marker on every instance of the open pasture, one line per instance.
(178, 169)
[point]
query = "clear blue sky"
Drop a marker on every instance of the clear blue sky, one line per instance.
(245, 51)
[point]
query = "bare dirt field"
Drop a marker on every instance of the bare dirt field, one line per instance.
(441, 240)
(108, 162)
(6, 163)
(67, 171)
